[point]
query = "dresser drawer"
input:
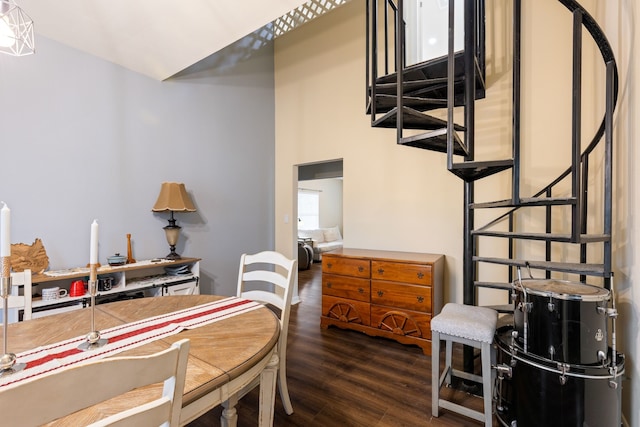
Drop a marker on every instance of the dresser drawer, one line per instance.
(354, 267)
(401, 322)
(417, 274)
(346, 310)
(346, 287)
(411, 297)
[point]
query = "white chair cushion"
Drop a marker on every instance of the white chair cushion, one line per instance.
(466, 321)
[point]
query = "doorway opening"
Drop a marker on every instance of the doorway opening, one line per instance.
(319, 206)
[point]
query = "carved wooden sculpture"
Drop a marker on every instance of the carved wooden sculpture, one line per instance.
(32, 257)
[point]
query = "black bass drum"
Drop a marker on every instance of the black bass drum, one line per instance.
(540, 392)
(562, 321)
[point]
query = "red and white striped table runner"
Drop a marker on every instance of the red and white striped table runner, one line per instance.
(51, 358)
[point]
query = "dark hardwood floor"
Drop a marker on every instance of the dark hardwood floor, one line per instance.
(345, 378)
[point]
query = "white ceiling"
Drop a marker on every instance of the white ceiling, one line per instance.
(157, 38)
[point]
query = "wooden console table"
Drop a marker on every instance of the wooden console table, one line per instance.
(147, 278)
(383, 293)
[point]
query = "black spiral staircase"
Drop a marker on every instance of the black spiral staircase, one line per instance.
(413, 99)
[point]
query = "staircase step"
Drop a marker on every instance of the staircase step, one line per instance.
(412, 119)
(426, 88)
(435, 141)
(426, 81)
(534, 201)
(412, 73)
(550, 237)
(432, 69)
(471, 171)
(494, 285)
(409, 86)
(385, 103)
(566, 267)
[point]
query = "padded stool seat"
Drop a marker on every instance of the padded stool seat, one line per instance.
(468, 325)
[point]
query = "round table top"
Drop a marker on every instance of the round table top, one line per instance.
(219, 352)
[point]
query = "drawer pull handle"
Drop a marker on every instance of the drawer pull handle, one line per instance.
(420, 275)
(360, 269)
(360, 290)
(381, 271)
(328, 284)
(380, 293)
(420, 298)
(329, 265)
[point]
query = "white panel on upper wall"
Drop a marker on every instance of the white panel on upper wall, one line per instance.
(157, 38)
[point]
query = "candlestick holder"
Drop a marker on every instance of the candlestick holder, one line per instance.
(93, 338)
(8, 363)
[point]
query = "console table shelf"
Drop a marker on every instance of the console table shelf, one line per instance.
(144, 278)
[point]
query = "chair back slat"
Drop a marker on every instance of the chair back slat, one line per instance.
(79, 387)
(270, 277)
(20, 300)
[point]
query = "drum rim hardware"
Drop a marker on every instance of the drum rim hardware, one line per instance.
(562, 368)
(600, 294)
(525, 307)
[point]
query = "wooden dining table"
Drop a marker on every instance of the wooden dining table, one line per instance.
(224, 356)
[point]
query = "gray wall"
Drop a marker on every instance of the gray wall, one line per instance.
(84, 139)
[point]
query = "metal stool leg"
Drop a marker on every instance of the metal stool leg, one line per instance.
(487, 383)
(441, 377)
(448, 361)
(467, 325)
(435, 372)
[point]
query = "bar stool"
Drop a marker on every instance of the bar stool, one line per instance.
(468, 325)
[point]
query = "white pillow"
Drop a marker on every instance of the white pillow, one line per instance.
(316, 235)
(332, 234)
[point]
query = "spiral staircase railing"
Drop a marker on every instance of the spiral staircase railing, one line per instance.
(402, 97)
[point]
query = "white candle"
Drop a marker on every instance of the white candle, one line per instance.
(5, 231)
(93, 249)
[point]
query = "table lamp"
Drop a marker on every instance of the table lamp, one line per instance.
(173, 197)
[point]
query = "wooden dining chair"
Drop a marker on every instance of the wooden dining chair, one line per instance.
(269, 277)
(17, 301)
(69, 390)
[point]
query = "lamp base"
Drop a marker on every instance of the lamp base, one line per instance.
(88, 345)
(12, 370)
(172, 232)
(173, 255)
(8, 364)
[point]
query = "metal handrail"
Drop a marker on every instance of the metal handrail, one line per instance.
(372, 46)
(604, 131)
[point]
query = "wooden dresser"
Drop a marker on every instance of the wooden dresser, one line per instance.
(383, 293)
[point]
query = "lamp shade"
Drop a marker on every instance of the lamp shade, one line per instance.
(173, 197)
